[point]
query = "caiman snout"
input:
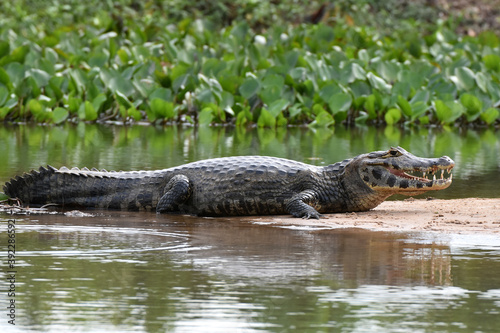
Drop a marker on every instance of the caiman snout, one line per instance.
(397, 171)
(444, 161)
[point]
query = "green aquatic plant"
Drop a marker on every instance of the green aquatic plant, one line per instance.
(126, 64)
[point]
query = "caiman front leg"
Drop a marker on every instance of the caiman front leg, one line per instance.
(300, 205)
(177, 191)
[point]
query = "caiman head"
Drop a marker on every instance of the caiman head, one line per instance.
(396, 171)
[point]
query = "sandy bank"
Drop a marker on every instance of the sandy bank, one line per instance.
(454, 216)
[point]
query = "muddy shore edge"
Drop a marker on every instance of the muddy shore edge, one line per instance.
(469, 215)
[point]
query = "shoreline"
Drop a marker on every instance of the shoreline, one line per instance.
(471, 215)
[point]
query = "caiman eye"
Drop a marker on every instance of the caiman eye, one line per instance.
(393, 152)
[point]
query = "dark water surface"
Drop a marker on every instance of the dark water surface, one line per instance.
(142, 272)
(476, 153)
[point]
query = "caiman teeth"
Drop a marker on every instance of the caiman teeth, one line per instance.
(441, 173)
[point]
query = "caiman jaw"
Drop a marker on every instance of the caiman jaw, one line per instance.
(398, 172)
(427, 178)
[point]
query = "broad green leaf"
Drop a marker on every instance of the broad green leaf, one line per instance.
(402, 89)
(59, 115)
(490, 115)
(79, 78)
(364, 56)
(360, 89)
(294, 110)
(417, 109)
(421, 95)
(465, 78)
(30, 88)
(123, 100)
(4, 78)
(362, 118)
(41, 77)
(415, 47)
(273, 80)
(180, 83)
(482, 81)
(4, 112)
(339, 102)
(249, 87)
(16, 73)
(370, 106)
(4, 48)
(388, 70)
(266, 119)
(19, 54)
(378, 83)
(55, 84)
(134, 114)
(74, 104)
(205, 96)
(98, 101)
(123, 112)
(277, 106)
(161, 108)
(324, 119)
(162, 93)
(35, 107)
(118, 83)
(489, 38)
(254, 55)
(87, 112)
(473, 106)
(448, 112)
(281, 120)
(328, 91)
(213, 66)
(405, 106)
(227, 102)
(392, 116)
(112, 80)
(244, 116)
(492, 62)
(123, 55)
(317, 109)
(51, 55)
(298, 73)
(240, 31)
(414, 78)
(357, 72)
(99, 59)
(11, 103)
(4, 95)
(206, 116)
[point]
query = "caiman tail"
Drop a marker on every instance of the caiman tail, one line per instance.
(86, 188)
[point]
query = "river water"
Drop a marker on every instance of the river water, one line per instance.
(105, 271)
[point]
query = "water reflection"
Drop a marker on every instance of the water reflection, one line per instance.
(476, 153)
(143, 272)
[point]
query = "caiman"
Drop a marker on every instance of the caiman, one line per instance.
(244, 185)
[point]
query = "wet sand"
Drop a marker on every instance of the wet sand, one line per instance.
(450, 216)
(472, 215)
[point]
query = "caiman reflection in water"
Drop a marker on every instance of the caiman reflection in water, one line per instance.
(181, 271)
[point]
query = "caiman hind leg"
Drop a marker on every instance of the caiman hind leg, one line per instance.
(300, 205)
(177, 191)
